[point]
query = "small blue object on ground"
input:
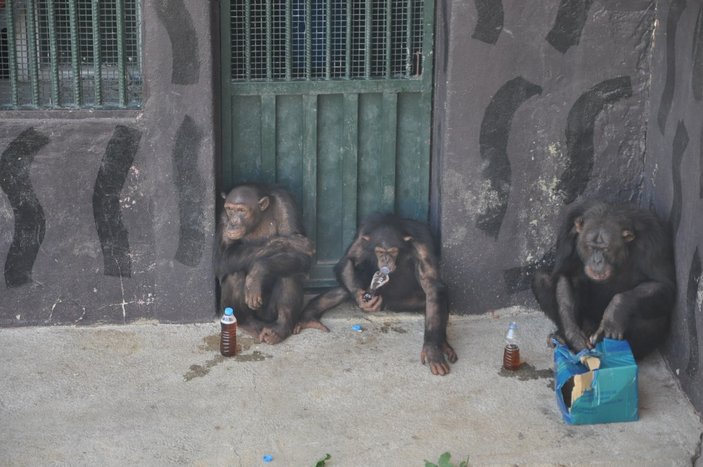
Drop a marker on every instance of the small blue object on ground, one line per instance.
(357, 327)
(268, 458)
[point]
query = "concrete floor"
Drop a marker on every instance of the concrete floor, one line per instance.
(153, 395)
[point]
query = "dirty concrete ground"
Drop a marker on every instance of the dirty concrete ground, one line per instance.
(155, 394)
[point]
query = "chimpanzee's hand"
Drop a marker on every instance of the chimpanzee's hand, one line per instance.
(372, 305)
(614, 322)
(252, 291)
(577, 340)
(609, 328)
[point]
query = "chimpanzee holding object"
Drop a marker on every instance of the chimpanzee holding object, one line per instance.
(261, 259)
(405, 247)
(613, 277)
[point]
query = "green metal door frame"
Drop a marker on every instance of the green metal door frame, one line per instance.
(354, 126)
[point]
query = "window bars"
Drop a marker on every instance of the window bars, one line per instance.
(70, 54)
(289, 40)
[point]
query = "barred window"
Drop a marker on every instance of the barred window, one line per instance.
(70, 54)
(288, 40)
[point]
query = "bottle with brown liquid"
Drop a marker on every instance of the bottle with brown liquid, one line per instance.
(511, 353)
(228, 334)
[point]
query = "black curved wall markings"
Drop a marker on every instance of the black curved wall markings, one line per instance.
(490, 20)
(176, 18)
(697, 68)
(30, 223)
(493, 140)
(571, 17)
(191, 193)
(579, 134)
(672, 21)
(677, 152)
(114, 241)
(694, 279)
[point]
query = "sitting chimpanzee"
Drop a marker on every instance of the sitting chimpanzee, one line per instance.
(613, 277)
(405, 248)
(261, 259)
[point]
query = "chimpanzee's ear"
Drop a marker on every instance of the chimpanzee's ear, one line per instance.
(628, 235)
(264, 203)
(578, 224)
(365, 238)
(223, 194)
(408, 238)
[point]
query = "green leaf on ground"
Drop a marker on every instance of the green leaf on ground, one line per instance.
(445, 461)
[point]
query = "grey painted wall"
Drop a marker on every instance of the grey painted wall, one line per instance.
(108, 216)
(537, 104)
(674, 174)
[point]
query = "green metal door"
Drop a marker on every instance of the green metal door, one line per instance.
(332, 100)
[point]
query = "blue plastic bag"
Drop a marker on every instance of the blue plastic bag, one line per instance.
(612, 395)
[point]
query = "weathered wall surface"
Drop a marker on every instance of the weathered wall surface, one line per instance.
(537, 105)
(674, 173)
(108, 216)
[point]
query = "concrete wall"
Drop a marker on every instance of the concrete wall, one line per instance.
(537, 105)
(107, 217)
(674, 173)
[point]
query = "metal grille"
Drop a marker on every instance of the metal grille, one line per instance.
(288, 40)
(70, 54)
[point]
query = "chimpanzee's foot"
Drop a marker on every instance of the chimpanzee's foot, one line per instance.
(251, 328)
(555, 336)
(310, 324)
(273, 335)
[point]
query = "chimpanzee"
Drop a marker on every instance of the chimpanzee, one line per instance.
(262, 256)
(613, 277)
(405, 248)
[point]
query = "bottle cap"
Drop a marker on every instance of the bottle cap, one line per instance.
(385, 270)
(229, 311)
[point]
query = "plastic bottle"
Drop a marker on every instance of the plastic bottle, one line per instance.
(511, 353)
(379, 280)
(228, 334)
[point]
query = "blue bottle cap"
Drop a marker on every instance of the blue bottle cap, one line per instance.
(229, 311)
(267, 458)
(385, 270)
(357, 327)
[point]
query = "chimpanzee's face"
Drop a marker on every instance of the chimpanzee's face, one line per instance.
(386, 257)
(242, 212)
(238, 218)
(389, 246)
(601, 247)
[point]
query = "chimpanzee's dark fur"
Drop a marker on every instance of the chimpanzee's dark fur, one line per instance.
(613, 277)
(405, 246)
(261, 259)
